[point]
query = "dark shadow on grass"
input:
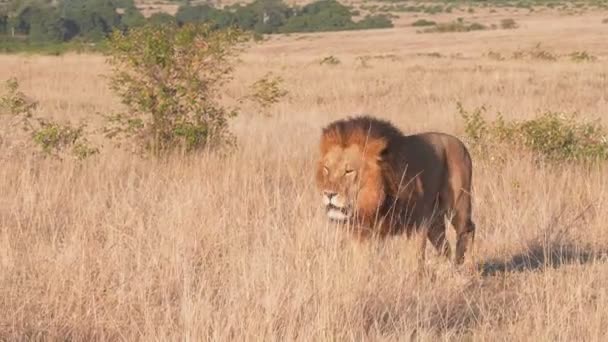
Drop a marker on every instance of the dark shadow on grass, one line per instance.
(541, 256)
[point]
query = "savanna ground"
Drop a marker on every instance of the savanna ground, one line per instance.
(237, 247)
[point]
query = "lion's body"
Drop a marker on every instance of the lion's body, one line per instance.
(396, 183)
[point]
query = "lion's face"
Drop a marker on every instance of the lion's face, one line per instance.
(349, 182)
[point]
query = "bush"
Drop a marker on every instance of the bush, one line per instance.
(330, 60)
(508, 24)
(94, 19)
(132, 18)
(552, 136)
(54, 138)
(537, 52)
(374, 22)
(267, 91)
(169, 77)
(3, 24)
(582, 56)
(423, 22)
(161, 18)
(455, 26)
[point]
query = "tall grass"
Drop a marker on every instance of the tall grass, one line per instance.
(237, 247)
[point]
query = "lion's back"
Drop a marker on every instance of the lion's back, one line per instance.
(440, 160)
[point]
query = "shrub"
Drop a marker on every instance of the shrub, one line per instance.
(535, 53)
(423, 22)
(93, 19)
(495, 55)
(431, 54)
(53, 138)
(3, 23)
(267, 91)
(364, 61)
(455, 26)
(582, 56)
(330, 60)
(552, 136)
(374, 22)
(169, 77)
(508, 23)
(161, 18)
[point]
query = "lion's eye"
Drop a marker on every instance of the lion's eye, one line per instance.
(349, 172)
(326, 170)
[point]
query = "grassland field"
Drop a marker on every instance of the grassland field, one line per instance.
(237, 247)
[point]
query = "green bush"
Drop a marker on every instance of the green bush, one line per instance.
(53, 138)
(423, 22)
(15, 103)
(161, 18)
(374, 22)
(169, 77)
(551, 135)
(455, 26)
(94, 19)
(3, 24)
(267, 91)
(132, 18)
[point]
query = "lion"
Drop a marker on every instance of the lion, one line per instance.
(383, 183)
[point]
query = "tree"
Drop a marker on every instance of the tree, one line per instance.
(271, 14)
(45, 25)
(132, 18)
(245, 17)
(3, 23)
(194, 14)
(324, 15)
(124, 3)
(21, 20)
(95, 18)
(160, 19)
(217, 18)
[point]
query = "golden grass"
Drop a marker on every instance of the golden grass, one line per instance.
(237, 248)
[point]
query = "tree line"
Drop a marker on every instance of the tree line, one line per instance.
(94, 20)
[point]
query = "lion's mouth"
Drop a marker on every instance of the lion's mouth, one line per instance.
(336, 214)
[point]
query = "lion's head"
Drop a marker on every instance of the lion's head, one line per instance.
(350, 174)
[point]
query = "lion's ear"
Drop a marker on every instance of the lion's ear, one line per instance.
(383, 154)
(377, 148)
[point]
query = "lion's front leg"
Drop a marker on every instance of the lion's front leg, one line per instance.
(420, 237)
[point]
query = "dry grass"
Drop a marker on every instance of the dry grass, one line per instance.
(237, 248)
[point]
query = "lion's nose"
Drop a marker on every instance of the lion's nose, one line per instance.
(329, 194)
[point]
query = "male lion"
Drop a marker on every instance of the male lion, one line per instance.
(383, 182)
